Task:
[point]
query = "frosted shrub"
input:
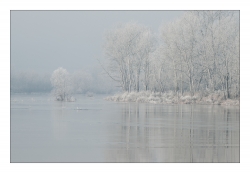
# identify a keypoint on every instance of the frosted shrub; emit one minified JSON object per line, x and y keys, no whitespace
{"x":187,"y":97}
{"x":170,"y":94}
{"x":188,"y":102}
{"x":123,"y":96}
{"x":164,"y":95}
{"x":157,"y":94}
{"x":220,"y":96}
{"x":197,"y":97}
{"x":143,"y":93}
{"x":214,"y":96}
{"x":150,"y":98}
{"x":168,"y":101}
{"x":204,"y":93}
{"x":171,"y":98}
{"x":154,"y":99}
{"x":131,"y":97}
{"x":71,"y":99}
{"x":230,"y":102}
{"x":174,"y":100}
{"x":147,"y":93}
{"x":208,"y":100}
{"x":152,"y":95}
{"x":142,"y":99}
{"x":115,"y":98}
{"x":194,"y":98}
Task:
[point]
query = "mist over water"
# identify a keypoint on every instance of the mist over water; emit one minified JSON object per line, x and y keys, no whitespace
{"x":95,"y":130}
{"x":81,"y":57}
{"x":42,"y":41}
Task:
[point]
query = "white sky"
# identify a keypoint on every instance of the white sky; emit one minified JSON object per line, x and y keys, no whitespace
{"x":42,"y":41}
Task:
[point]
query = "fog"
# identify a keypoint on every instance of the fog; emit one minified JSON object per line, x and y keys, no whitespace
{"x":139,"y":50}
{"x":42,"y":41}
{"x":153,"y":62}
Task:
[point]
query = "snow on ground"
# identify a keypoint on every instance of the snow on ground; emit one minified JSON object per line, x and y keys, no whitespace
{"x":216,"y":98}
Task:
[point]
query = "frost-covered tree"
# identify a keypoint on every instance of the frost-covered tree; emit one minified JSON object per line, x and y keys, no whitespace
{"x":202,"y":48}
{"x":197,"y":53}
{"x":127,"y":47}
{"x":62,"y":86}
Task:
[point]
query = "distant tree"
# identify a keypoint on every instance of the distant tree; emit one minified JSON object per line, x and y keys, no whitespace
{"x":30,"y":82}
{"x":82,"y":81}
{"x":61,"y":82}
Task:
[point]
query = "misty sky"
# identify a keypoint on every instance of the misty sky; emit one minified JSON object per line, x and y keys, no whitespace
{"x":42,"y":41}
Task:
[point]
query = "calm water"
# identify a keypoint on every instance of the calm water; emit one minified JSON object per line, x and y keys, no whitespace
{"x":43,"y":130}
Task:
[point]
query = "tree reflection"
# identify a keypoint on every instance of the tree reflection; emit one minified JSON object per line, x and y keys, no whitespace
{"x":184,"y":133}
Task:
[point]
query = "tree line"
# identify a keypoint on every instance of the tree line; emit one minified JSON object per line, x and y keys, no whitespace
{"x":78,"y":82}
{"x":197,"y":52}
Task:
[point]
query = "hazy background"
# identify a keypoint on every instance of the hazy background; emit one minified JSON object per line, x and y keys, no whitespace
{"x":42,"y":41}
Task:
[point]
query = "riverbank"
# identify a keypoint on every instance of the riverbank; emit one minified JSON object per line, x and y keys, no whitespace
{"x":216,"y":98}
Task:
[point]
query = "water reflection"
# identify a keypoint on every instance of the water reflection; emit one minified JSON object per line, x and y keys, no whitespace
{"x":59,"y":121}
{"x":184,"y":133}
{"x":122,"y":132}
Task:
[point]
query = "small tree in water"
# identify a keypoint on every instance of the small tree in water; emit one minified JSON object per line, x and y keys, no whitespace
{"x":61,"y":82}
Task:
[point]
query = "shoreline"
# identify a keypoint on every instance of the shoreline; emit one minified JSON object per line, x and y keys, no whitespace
{"x":215,"y":98}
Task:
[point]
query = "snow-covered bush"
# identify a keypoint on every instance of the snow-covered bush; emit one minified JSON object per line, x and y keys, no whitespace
{"x":171,"y":98}
{"x":61,"y":83}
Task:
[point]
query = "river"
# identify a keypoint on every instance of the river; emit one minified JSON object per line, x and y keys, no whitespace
{"x":95,"y":130}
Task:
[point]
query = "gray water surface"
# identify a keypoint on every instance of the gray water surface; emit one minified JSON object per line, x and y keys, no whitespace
{"x":94,"y":130}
